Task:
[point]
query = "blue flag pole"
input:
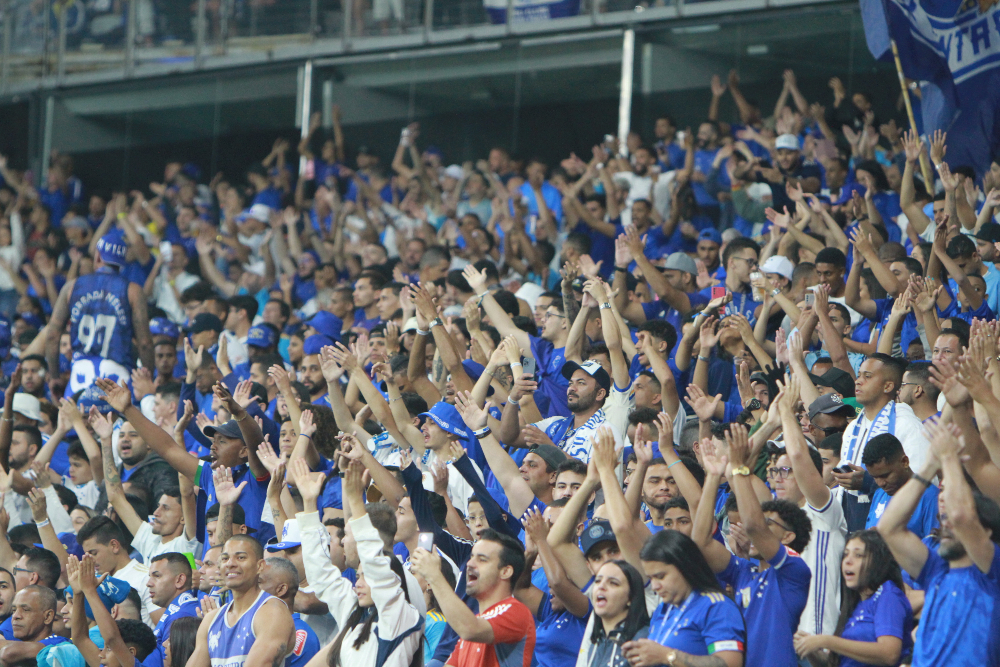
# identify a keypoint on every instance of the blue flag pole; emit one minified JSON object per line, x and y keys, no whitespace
{"x":925,"y":167}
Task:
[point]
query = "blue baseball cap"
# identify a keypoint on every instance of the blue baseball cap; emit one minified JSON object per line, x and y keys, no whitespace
{"x":261,"y":336}
{"x":313,"y":344}
{"x":112,"y":249}
{"x":447,"y":417}
{"x":474,"y":370}
{"x":161,"y":326}
{"x":711,"y":234}
{"x":326,"y":323}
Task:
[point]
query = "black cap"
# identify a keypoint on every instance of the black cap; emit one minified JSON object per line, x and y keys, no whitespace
{"x":230,"y":430}
{"x":838,"y":380}
{"x":828,"y":404}
{"x":205,"y":322}
{"x":597,"y":532}
{"x":989,"y":232}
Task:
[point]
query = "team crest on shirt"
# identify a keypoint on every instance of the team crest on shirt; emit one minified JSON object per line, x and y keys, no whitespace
{"x":300,"y":642}
{"x":213,"y":639}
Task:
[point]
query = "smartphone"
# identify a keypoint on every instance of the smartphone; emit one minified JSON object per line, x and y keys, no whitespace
{"x":425,"y":541}
{"x":719,"y":292}
{"x":810,"y":299}
{"x":844,"y":468}
{"x":528,"y":365}
{"x":166,"y":251}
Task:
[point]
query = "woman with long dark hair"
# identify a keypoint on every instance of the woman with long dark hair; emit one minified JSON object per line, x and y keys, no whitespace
{"x":875,"y":616}
{"x":180,"y":644}
{"x":694,"y":618}
{"x":619,"y":615}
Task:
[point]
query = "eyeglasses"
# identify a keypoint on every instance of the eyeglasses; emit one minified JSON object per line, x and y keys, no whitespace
{"x":829,"y":430}
{"x":779,"y":473}
{"x":750,"y":262}
{"x":22,"y":569}
{"x":771,"y":522}
{"x":554,"y":315}
{"x":912,"y":384}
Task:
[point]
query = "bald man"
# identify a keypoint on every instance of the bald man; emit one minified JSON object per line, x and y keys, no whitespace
{"x":280,"y":578}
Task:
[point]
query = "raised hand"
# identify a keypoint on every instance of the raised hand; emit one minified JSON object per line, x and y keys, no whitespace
{"x":36,"y":499}
{"x":306,"y":424}
{"x":702,"y":404}
{"x":221,"y":392}
{"x":117,"y":396}
{"x":142,"y":382}
{"x":103,"y":424}
{"x":715,"y":462}
{"x":603,"y":452}
{"x":439,"y":472}
{"x":270,"y":460}
{"x":476,"y":279}
{"x":473,"y":415}
{"x":535,"y":436}
{"x":938,"y":146}
{"x":535,"y":525}
{"x":226,"y":492}
{"x":708,"y":336}
{"x":588,"y":268}
{"x":242,"y":393}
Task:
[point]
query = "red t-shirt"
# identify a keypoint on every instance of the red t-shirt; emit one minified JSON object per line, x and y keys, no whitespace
{"x":513,"y":639}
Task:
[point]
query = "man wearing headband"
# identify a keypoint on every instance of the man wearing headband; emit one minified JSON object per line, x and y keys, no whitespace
{"x":105,"y":312}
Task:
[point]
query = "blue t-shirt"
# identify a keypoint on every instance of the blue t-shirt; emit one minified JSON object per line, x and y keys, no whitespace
{"x":924,"y":519}
{"x":549,"y":361}
{"x":368,"y":323}
{"x":960,"y":621}
{"x":661,"y":310}
{"x":772,"y":601}
{"x":306,"y":644}
{"x":704,"y":624}
{"x":742,"y":303}
{"x":907,"y":332}
{"x":252,"y":500}
{"x":886,"y":613}
{"x":558,"y":635}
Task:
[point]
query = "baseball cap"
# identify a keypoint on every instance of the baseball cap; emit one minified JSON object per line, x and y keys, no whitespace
{"x":787,"y":141}
{"x":758,"y":376}
{"x":28,"y":405}
{"x":205,"y":322}
{"x":838,"y":380}
{"x":229,"y":430}
{"x":778,"y":264}
{"x":326,"y":323}
{"x":591,"y":368}
{"x":680,"y":261}
{"x":551,"y":454}
{"x":828,"y":404}
{"x":161,"y":326}
{"x":454,"y":171}
{"x":112,"y":248}
{"x":313,"y":344}
{"x":411,"y":325}
{"x":598,"y":531}
{"x":710,"y":234}
{"x":291,"y":537}
{"x":989,"y":232}
{"x":261,"y":336}
{"x":92,"y":396}
{"x":446,"y":416}
{"x":260,"y":212}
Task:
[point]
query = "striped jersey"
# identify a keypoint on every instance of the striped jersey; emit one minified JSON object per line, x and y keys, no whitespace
{"x":823,"y":555}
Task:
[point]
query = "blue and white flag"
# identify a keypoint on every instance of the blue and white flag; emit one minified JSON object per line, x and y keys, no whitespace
{"x":531,"y":10}
{"x":952,"y":47}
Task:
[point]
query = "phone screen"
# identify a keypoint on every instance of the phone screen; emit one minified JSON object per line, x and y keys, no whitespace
{"x":425,"y":541}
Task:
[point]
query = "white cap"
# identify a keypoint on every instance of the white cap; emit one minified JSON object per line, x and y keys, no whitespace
{"x":778,"y":264}
{"x":787,"y":141}
{"x":28,"y":405}
{"x":291,"y":537}
{"x":454,"y":171}
{"x":260,"y":212}
{"x":411,"y":325}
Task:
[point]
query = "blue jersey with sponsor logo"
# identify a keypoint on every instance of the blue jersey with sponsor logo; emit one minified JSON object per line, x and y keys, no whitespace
{"x":100,"y":317}
{"x":229,"y":645}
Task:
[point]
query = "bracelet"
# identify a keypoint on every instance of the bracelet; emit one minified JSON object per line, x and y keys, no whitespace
{"x":42,"y":524}
{"x":423,"y":333}
{"x":483,"y":432}
{"x":622,"y":269}
{"x":8,"y":419}
{"x":925,"y":482}
{"x":245,"y":416}
{"x":305,"y":435}
{"x":703,"y":358}
{"x":398,"y":398}
{"x":673,"y":464}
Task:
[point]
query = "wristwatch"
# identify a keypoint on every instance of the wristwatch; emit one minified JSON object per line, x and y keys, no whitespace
{"x":742,"y":470}
{"x":776,"y":291}
{"x":671,"y":657}
{"x":435,"y":322}
{"x":605,"y":306}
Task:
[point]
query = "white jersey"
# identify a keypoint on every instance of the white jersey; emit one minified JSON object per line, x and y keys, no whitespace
{"x":137,"y":574}
{"x":150,"y":545}
{"x":823,"y":555}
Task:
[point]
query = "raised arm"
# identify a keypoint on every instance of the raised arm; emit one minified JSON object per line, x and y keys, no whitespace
{"x":630,"y":531}
{"x":158,"y":440}
{"x":498,"y":316}
{"x":715,"y":553}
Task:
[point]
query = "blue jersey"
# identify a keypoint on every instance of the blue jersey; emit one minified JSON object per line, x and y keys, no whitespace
{"x":229,"y":645}
{"x":704,"y":624}
{"x":100,"y":317}
{"x":306,"y":644}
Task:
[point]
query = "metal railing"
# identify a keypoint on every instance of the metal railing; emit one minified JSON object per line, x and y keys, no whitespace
{"x":49,"y":43}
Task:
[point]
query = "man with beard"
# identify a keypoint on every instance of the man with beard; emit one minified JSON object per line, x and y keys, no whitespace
{"x":140,"y":466}
{"x":170,"y":588}
{"x":168,"y":532}
{"x":959,"y":624}
{"x":589,"y":385}
{"x":312,"y":369}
